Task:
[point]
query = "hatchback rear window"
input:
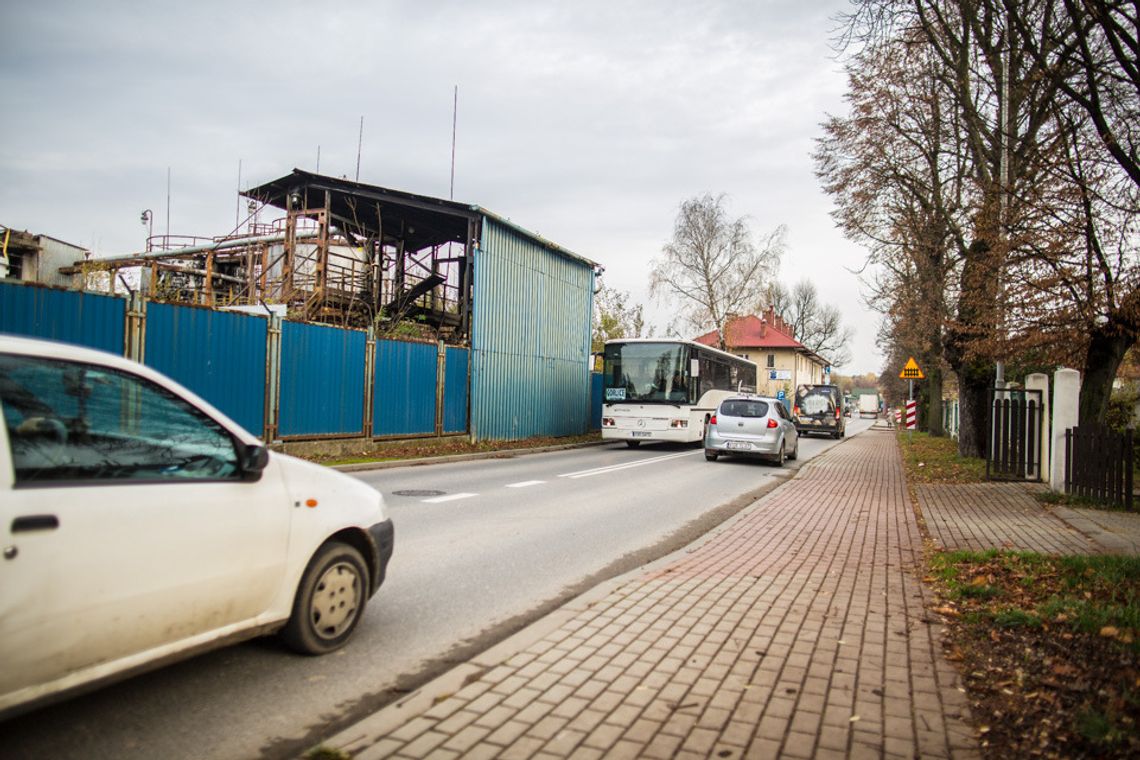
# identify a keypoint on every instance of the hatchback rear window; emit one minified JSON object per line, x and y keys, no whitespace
{"x":741,"y":408}
{"x":816,"y":400}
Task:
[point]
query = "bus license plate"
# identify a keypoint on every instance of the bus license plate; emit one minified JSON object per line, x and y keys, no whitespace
{"x":641,"y":434}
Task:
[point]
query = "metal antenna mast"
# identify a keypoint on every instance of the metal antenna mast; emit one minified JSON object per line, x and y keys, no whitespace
{"x":454,"y":119}
{"x":359,"y":145}
{"x":237,"y":204}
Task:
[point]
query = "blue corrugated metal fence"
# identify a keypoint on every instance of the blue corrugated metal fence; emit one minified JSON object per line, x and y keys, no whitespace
{"x":404,"y":400}
{"x":455,"y":390}
{"x":85,"y":319}
{"x":219,"y":355}
{"x":322,"y":380}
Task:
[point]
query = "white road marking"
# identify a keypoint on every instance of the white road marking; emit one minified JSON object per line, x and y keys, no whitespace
{"x":526,"y":484}
{"x":625,"y":466}
{"x":449,"y":497}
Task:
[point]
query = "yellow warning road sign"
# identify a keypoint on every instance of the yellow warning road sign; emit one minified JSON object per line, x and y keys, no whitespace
{"x":911,"y":370}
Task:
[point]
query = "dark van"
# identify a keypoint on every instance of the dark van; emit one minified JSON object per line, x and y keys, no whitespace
{"x":819,"y":409}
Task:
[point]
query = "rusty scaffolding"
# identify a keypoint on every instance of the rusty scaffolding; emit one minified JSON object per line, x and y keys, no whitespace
{"x":344,"y":253}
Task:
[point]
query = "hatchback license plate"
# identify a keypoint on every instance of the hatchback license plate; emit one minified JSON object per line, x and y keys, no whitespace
{"x":738,"y":445}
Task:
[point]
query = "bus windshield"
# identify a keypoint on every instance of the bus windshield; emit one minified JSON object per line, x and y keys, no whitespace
{"x":647,"y":372}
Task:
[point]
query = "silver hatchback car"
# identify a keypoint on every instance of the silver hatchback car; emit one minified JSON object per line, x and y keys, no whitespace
{"x":752,"y":426}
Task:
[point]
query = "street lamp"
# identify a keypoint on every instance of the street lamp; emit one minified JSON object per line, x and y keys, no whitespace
{"x":147,"y":218}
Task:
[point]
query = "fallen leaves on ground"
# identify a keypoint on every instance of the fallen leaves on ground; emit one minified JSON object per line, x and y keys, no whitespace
{"x":1038,"y":686}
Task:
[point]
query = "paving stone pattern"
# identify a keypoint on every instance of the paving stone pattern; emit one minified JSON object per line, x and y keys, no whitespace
{"x":1117,"y":532}
{"x":797,"y":630}
{"x":980,"y":516}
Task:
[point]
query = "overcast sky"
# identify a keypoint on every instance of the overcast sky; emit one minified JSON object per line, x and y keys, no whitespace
{"x":586,"y":122}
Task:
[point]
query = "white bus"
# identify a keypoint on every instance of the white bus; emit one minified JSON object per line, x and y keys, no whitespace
{"x":666,"y":390}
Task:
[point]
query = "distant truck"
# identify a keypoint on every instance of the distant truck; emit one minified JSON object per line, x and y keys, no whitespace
{"x":869,"y":405}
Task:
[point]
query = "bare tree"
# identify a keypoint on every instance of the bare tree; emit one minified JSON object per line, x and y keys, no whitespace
{"x":711,"y":268}
{"x":615,"y":316}
{"x":817,"y":325}
{"x":1091,"y":48}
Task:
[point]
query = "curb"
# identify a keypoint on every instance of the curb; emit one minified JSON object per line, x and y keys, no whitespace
{"x":446,"y":458}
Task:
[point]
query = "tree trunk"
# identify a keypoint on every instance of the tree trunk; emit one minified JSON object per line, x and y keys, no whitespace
{"x":977,"y":314}
{"x":974,"y":384}
{"x":934,"y":391}
{"x":1107,"y":346}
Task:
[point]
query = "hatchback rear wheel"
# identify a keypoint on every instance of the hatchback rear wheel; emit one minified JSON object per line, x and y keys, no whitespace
{"x":781,"y":456}
{"x":711,"y":455}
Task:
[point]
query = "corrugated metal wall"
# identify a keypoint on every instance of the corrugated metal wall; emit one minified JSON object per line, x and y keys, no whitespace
{"x":530,"y":338}
{"x":404,"y":395}
{"x":455,"y":390}
{"x":85,"y":319}
{"x":219,"y":355}
{"x":322,"y":380}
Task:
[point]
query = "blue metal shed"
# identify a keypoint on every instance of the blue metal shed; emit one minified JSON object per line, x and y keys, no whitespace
{"x":523,"y":304}
{"x":530,"y":336}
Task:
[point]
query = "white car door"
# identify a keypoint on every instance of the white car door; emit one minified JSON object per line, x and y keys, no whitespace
{"x":126,"y":523}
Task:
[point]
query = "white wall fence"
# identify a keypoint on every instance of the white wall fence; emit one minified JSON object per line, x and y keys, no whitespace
{"x":1064,"y":408}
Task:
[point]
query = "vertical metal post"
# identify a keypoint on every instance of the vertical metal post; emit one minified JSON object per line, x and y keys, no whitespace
{"x":369,"y":378}
{"x":440,"y":382}
{"x":272,"y":377}
{"x":135,"y":348}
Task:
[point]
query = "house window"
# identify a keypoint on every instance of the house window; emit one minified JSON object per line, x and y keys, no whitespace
{"x":771,"y":361}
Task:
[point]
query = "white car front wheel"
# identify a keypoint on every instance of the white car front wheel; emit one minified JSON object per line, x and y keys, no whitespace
{"x":330,"y":600}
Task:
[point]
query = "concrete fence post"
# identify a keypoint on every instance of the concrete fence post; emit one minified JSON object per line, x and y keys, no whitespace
{"x":1066,"y":398}
{"x":1039,"y":381}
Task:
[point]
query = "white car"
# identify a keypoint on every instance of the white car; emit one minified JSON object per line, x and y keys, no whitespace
{"x":141,"y":525}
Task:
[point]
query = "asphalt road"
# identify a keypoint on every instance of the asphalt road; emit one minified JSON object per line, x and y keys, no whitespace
{"x":482,"y":548}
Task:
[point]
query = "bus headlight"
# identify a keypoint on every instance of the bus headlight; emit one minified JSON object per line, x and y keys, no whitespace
{"x":608,"y":422}
{"x":678,"y":423}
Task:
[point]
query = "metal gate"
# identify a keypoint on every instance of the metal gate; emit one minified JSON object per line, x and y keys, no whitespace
{"x":1016,"y":419}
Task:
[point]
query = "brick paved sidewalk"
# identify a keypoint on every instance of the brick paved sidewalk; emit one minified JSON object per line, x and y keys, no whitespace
{"x":980,"y":516}
{"x":797,"y":630}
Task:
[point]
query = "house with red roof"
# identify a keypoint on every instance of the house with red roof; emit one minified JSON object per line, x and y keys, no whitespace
{"x":783,"y":363}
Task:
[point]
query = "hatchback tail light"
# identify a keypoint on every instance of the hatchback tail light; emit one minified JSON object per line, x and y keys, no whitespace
{"x":837,"y":412}
{"x":772,"y":423}
{"x":712,"y":420}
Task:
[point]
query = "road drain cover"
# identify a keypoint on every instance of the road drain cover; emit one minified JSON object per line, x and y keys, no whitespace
{"x":414,"y":492}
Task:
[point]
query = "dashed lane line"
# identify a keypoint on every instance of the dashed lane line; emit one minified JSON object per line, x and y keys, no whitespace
{"x":625,"y":466}
{"x":449,"y":497}
{"x":526,"y":484}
